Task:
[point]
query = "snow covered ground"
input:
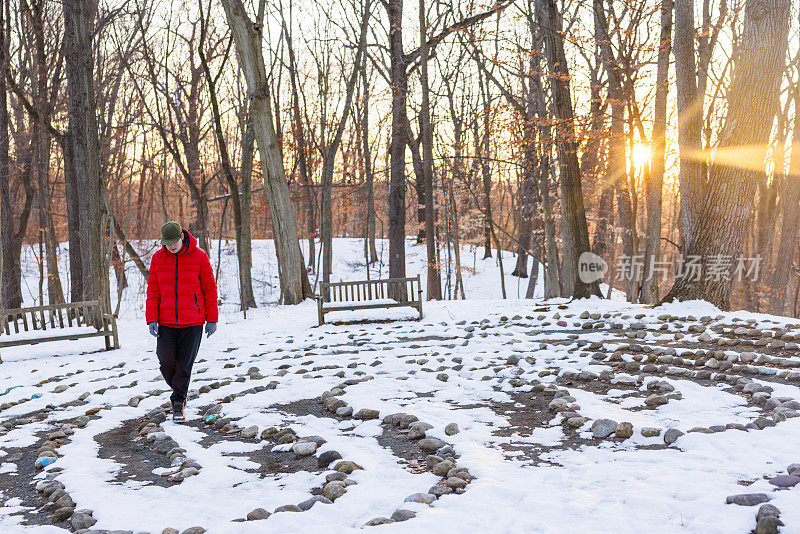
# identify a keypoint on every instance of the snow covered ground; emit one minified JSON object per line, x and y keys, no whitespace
{"x":493,"y":367}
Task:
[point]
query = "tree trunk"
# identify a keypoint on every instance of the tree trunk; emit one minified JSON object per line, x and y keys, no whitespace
{"x":655,"y":181}
{"x":79,"y":16}
{"x":248,"y":38}
{"x":574,"y":228}
{"x":329,"y":158}
{"x":790,"y":219}
{"x":434,"y":274}
{"x":372,"y":255}
{"x":246,"y":250}
{"x":397,"y":181}
{"x":718,"y":223}
{"x":73,"y":219}
{"x":6,"y":226}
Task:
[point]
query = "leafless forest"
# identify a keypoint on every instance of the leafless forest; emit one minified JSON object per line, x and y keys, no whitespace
{"x":652,"y":130}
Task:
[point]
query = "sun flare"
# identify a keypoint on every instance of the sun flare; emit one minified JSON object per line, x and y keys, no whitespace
{"x":640,"y":155}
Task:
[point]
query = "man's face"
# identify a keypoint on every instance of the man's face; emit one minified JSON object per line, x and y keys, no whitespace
{"x":175,"y":247}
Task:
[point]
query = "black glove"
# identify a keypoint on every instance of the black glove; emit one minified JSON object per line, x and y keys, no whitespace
{"x":153,"y":328}
{"x":210,"y":329}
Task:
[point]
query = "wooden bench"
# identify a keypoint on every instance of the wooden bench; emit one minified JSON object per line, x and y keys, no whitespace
{"x":369,"y":294}
{"x":58,"y":317}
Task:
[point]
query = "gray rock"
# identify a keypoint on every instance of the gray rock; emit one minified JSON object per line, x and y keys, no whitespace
{"x":402,"y":514}
{"x":81,"y":520}
{"x":327,"y":458}
{"x":307,"y":504}
{"x":416,"y":432}
{"x":785,"y":481}
{"x":672,"y":435}
{"x":62,"y":514}
{"x":602,"y":428}
{"x":304,"y":448}
{"x":288,"y":508}
{"x":346,"y":467}
{"x":258,"y":513}
{"x":249,"y":432}
{"x":365,"y":414}
{"x":456,"y":482}
{"x":793,"y":469}
{"x":378,"y":521}
{"x":431,"y":444}
{"x":656,"y":400}
{"x":344,"y":411}
{"x":438,"y":490}
{"x":747,"y":499}
{"x":624,"y":430}
{"x":769,"y":524}
{"x":333,"y":490}
{"x":442,"y":468}
{"x":451,"y":430}
{"x":170,"y":530}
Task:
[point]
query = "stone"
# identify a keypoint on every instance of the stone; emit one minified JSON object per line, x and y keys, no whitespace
{"x":257,"y":514}
{"x":747,"y":499}
{"x":378,"y":521}
{"x":402,"y":514}
{"x":344,"y":411}
{"x":793,"y":469}
{"x":169,"y":530}
{"x":304,"y":449}
{"x":672,"y":435}
{"x":602,"y":428}
{"x":456,"y":482}
{"x":769,"y":524}
{"x":327,"y":458}
{"x":81,"y":520}
{"x":785,"y":481}
{"x":65,"y":501}
{"x":308,"y":503}
{"x":416,"y":432}
{"x":443,"y":377}
{"x":439,"y":490}
{"x":624,"y":430}
{"x":249,"y":432}
{"x":365,"y":414}
{"x":133,"y":402}
{"x":650,"y":432}
{"x":763,"y":422}
{"x":424,"y":498}
{"x":442,"y":468}
{"x":656,"y":400}
{"x":576,"y":422}
{"x":431,"y":444}
{"x":62,"y":514}
{"x":194,"y":530}
{"x":347,"y":467}
{"x":287,"y":508}
{"x":333,"y":490}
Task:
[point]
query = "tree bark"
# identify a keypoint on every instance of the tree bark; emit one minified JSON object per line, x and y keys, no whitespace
{"x":655,"y":181}
{"x":434,"y":275}
{"x":248,"y":38}
{"x":574,"y":228}
{"x":79,"y":20}
{"x":717,"y":223}
{"x":397,"y":150}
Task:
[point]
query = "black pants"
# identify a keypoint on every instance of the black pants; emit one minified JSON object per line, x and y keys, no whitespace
{"x":177,"y":349}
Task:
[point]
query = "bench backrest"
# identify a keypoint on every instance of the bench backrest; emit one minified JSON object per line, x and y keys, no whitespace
{"x":68,"y":314}
{"x":398,"y":289}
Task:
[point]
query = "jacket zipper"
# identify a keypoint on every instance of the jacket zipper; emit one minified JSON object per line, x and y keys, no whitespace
{"x":176,"y":289}
{"x":196,"y":304}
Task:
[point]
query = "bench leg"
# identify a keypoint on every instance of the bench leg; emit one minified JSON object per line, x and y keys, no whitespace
{"x":320,"y":313}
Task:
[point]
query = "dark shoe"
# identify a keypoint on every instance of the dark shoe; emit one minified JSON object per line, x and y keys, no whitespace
{"x":178,"y":414}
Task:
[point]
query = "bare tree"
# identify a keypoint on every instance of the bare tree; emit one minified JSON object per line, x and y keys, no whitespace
{"x":248,"y":38}
{"x":718,"y":210}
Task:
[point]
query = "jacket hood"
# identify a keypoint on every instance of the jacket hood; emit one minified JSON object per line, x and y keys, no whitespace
{"x":189,"y":244}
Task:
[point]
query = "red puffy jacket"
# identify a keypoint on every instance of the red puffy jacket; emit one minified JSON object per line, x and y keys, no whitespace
{"x":181,"y":290}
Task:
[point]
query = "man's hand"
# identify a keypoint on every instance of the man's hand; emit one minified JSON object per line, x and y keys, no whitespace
{"x":210,"y":329}
{"x":153,"y":328}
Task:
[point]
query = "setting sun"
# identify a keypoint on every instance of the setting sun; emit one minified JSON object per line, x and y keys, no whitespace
{"x":640,"y":155}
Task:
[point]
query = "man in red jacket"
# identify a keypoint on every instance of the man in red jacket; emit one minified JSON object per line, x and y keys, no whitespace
{"x":181,"y":297}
